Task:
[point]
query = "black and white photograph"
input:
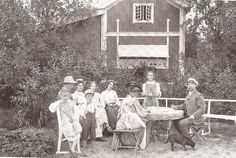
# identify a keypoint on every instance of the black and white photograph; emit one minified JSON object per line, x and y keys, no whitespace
{"x":118,"y":78}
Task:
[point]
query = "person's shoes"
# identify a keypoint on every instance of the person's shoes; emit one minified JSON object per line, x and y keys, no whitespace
{"x":107,"y":133}
{"x":88,"y":141}
{"x":101,"y":139}
{"x":84,"y":154}
{"x":94,"y":152}
{"x":109,"y":129}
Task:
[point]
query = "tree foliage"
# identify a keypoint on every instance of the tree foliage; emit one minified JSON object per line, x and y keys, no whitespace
{"x":211,"y":36}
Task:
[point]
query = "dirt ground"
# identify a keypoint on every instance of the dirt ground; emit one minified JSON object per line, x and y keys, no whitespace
{"x":220,"y":144}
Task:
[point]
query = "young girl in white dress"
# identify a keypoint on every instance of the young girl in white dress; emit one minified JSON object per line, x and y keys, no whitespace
{"x":151,"y":91}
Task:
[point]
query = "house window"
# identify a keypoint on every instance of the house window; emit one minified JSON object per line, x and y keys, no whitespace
{"x":150,"y":55}
{"x":143,"y":13}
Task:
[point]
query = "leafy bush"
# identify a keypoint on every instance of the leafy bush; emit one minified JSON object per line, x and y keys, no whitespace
{"x":27,"y":142}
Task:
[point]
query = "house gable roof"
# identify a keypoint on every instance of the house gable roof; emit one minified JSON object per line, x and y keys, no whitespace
{"x":100,"y":6}
{"x":178,"y":3}
{"x":105,"y":4}
{"x":108,"y":4}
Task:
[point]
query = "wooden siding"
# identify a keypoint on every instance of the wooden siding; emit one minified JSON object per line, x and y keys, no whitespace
{"x":84,"y":35}
{"x":162,"y":11}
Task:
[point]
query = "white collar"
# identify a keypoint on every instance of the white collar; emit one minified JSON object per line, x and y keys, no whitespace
{"x":81,"y":93}
{"x":151,"y":82}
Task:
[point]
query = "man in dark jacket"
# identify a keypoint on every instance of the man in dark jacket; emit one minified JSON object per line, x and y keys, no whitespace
{"x":194,"y":107}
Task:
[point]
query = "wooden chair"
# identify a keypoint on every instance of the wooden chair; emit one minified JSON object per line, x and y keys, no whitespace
{"x":198,"y":131}
{"x":120,"y":144}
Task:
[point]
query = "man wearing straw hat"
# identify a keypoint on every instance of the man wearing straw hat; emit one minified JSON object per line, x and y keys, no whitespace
{"x":194,"y":107}
{"x":68,"y":85}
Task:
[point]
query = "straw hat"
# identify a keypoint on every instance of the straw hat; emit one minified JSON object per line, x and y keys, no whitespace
{"x":192,"y":80}
{"x":69,"y":79}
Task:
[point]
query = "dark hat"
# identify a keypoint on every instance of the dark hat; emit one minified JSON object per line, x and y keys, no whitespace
{"x":134,"y":86}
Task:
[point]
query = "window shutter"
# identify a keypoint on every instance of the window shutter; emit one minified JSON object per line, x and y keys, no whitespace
{"x":138,"y":12}
{"x":143,"y":13}
{"x":148,"y":13}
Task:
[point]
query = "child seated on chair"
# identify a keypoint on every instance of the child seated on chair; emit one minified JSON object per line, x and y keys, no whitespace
{"x":70,"y":125}
{"x":89,"y":121}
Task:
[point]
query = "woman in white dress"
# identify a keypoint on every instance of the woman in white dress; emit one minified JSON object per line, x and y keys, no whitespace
{"x":101,"y":116}
{"x":112,"y":103}
{"x":78,"y":95}
{"x":132,"y":116}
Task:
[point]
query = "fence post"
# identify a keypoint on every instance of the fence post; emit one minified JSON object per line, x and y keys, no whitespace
{"x":209,"y":112}
{"x":166,"y":102}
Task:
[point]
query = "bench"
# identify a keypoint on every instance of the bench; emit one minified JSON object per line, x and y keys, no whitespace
{"x":197,"y":131}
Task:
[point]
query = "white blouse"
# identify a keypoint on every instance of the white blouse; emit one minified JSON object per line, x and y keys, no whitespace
{"x":98,"y":100}
{"x":79,"y":98}
{"x":110,"y":97}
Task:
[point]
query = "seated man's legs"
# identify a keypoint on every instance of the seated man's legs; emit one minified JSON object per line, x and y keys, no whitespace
{"x":181,"y":126}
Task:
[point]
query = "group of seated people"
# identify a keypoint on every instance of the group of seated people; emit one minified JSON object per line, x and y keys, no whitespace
{"x":86,"y":114}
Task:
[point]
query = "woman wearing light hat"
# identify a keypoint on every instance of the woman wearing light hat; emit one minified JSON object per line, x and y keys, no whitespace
{"x":132,"y":116}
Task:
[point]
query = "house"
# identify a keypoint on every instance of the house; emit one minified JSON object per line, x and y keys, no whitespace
{"x":132,"y":32}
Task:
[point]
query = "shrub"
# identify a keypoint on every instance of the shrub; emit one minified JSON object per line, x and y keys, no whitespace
{"x":27,"y":142}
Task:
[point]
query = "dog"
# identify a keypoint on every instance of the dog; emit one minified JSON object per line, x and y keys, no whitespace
{"x":180,"y":139}
{"x":158,"y":132}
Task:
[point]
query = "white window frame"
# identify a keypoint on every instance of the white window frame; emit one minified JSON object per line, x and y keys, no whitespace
{"x":143,"y":21}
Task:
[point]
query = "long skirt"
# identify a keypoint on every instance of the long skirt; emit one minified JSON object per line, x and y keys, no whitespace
{"x":101,"y":118}
{"x":112,"y":112}
{"x":130,"y":121}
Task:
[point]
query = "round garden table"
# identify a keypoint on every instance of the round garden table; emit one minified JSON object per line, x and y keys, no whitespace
{"x":162,"y":114}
